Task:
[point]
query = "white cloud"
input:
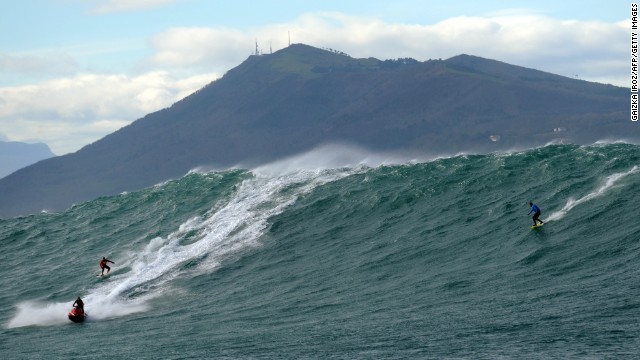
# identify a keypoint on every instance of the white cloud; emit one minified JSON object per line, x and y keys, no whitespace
{"x":45,"y":64}
{"x":528,"y":39}
{"x":71,"y":112}
{"x":113,"y":6}
{"x":68,"y":113}
{"x":200,"y":47}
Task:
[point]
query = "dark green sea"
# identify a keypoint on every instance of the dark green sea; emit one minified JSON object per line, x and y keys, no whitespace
{"x":350,"y":256}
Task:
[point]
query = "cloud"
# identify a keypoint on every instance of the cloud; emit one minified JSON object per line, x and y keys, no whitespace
{"x":114,"y":6}
{"x":44,"y":64}
{"x":197,"y":46}
{"x":530,"y":40}
{"x":68,"y":113}
{"x":566,"y":47}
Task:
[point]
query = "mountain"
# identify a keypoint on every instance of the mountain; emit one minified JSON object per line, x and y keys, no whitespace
{"x":15,"y":155}
{"x":276,"y":105}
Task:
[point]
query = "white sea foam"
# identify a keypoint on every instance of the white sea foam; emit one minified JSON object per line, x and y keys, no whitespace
{"x":36,"y":313}
{"x":616,"y":141}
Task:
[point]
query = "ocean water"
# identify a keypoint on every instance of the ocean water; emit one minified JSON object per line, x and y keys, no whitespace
{"x":346,"y":255}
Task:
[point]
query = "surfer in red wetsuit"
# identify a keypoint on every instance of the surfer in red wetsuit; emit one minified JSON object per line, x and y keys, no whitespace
{"x":103,"y":265}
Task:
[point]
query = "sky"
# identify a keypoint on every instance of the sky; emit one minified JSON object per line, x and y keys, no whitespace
{"x":74,"y":71}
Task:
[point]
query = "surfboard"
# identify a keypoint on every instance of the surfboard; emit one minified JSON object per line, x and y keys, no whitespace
{"x":537,"y":226}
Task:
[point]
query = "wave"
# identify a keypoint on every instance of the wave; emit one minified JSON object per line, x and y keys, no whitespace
{"x":222,"y":232}
{"x":371,"y":252}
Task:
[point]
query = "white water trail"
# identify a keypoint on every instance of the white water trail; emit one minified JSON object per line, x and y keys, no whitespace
{"x":224,"y":231}
{"x":608,"y":184}
{"x":38,"y":313}
{"x":234,"y":227}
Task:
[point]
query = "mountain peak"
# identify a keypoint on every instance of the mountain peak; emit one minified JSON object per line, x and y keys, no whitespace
{"x":299,"y":59}
{"x":16,"y":155}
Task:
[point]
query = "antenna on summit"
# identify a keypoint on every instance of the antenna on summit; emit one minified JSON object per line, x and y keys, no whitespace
{"x":257,"y":52}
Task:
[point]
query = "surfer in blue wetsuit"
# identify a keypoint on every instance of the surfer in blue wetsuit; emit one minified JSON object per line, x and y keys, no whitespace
{"x":536,"y":210}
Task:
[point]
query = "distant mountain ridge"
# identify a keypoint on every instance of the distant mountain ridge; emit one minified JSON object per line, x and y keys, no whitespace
{"x":15,"y":155}
{"x":277,"y":105}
